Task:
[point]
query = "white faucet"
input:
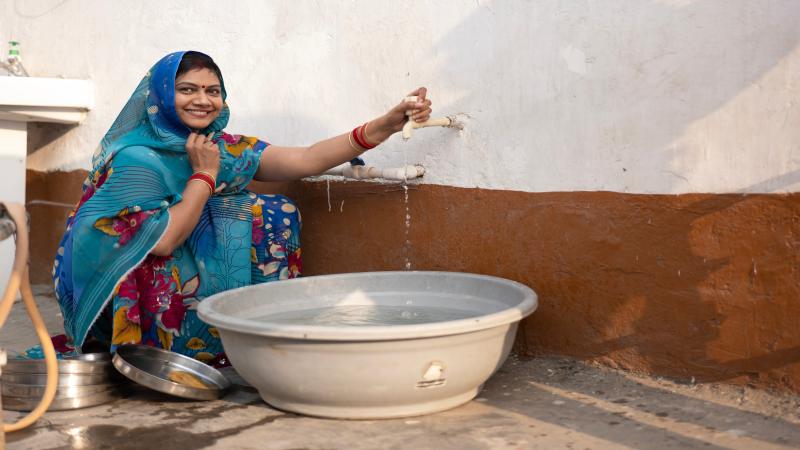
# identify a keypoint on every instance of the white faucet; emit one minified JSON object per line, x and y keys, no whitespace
{"x":448,"y":121}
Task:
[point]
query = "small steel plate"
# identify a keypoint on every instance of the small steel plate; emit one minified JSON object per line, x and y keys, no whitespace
{"x":170,"y":372}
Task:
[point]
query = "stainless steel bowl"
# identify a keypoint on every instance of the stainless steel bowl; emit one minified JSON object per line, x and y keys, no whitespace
{"x":83,"y":380}
{"x":60,"y":404}
{"x":64,"y":379}
{"x":97,"y":357}
{"x":36,"y":391}
{"x":170,"y":372}
{"x":90,"y":363}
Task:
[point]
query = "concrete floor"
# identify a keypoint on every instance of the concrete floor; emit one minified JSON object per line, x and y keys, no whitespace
{"x":532,"y":403}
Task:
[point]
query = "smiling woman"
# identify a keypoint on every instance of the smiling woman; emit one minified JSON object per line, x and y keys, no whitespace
{"x":198,"y":91}
{"x":166,"y":220}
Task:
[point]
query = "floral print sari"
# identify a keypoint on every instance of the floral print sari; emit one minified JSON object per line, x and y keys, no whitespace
{"x":110,"y":287}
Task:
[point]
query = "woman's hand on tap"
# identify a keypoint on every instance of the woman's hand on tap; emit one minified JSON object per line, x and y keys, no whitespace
{"x":418,"y":110}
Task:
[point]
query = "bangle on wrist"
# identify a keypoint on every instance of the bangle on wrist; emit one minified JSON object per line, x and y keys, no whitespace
{"x":358,"y":135}
{"x":208,"y":174}
{"x":207,"y":179}
{"x":359,"y":150}
{"x":355,"y":135}
{"x":367,"y":138}
{"x":210,"y":191}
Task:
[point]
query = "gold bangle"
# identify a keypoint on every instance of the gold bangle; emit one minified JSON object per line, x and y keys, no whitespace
{"x":210,"y":189}
{"x":366,"y":136}
{"x":353,"y":145}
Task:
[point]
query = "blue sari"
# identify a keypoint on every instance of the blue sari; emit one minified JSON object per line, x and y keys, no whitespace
{"x":109,"y":286}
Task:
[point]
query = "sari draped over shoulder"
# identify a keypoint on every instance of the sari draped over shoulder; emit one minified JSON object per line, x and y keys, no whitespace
{"x":107,"y":283}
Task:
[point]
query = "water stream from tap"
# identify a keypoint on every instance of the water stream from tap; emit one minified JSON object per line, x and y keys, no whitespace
{"x":407,"y":241}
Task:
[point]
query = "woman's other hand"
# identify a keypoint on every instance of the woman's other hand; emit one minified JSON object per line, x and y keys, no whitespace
{"x":203,"y":153}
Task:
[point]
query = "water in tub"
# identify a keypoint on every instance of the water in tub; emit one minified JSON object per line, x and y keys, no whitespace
{"x":367,"y":315}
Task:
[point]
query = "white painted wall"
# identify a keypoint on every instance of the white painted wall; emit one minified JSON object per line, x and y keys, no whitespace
{"x":654,"y":96}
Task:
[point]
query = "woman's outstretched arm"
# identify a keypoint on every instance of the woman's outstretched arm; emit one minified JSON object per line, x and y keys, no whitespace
{"x":291,"y":163}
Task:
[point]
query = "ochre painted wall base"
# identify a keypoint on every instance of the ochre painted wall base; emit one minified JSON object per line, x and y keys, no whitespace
{"x":697,"y":285}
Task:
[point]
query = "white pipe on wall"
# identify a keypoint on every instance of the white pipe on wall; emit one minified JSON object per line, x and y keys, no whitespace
{"x":368,"y":172}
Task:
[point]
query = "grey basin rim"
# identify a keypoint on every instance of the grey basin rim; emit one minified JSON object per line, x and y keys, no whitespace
{"x":157,"y":383}
{"x":207,"y":312}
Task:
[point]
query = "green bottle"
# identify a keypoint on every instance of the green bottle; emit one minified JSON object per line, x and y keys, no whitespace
{"x":14,"y":61}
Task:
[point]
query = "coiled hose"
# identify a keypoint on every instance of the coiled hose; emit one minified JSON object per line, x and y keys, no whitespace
{"x":19,"y":281}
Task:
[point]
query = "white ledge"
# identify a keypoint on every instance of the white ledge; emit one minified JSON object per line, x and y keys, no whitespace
{"x":36,"y":99}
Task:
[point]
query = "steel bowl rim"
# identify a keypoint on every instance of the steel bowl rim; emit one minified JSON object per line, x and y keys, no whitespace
{"x":64,"y":379}
{"x":76,"y":366}
{"x":157,"y":383}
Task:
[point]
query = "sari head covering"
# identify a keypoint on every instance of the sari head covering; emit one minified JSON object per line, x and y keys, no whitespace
{"x":139,"y":171}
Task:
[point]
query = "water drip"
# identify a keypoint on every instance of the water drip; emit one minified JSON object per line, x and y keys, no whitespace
{"x":328,"y":190}
{"x":407,"y":242}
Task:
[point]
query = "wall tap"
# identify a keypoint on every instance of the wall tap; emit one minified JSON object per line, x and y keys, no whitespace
{"x":448,"y":121}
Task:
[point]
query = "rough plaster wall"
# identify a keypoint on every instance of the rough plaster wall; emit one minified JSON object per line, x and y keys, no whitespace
{"x":659,"y":96}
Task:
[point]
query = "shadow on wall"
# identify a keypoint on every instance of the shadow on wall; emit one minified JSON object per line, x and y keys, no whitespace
{"x":709,"y":294}
{"x":642,"y":285}
{"x":607,"y":88}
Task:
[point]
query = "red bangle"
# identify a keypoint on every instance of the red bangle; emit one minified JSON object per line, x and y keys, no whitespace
{"x":364,"y":136}
{"x":205,"y":178}
{"x":354,"y":134}
{"x":358,"y":134}
{"x":361,"y":136}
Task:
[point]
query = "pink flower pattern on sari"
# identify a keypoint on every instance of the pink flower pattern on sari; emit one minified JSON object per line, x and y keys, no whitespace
{"x":129,"y":224}
{"x":295,"y":264}
{"x":231,"y":139}
{"x":258,"y":231}
{"x":124,"y":225}
{"x":62,"y":344}
{"x":155,"y":293}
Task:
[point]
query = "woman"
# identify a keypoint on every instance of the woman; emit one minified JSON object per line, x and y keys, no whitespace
{"x":165,"y":219}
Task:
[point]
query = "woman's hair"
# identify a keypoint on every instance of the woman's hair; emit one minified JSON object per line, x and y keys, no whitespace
{"x":197,"y":60}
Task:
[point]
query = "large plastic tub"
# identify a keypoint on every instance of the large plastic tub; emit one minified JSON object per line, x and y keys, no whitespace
{"x":302,"y":356}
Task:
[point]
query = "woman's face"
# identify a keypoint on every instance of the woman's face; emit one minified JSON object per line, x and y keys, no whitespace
{"x":198,"y":98}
